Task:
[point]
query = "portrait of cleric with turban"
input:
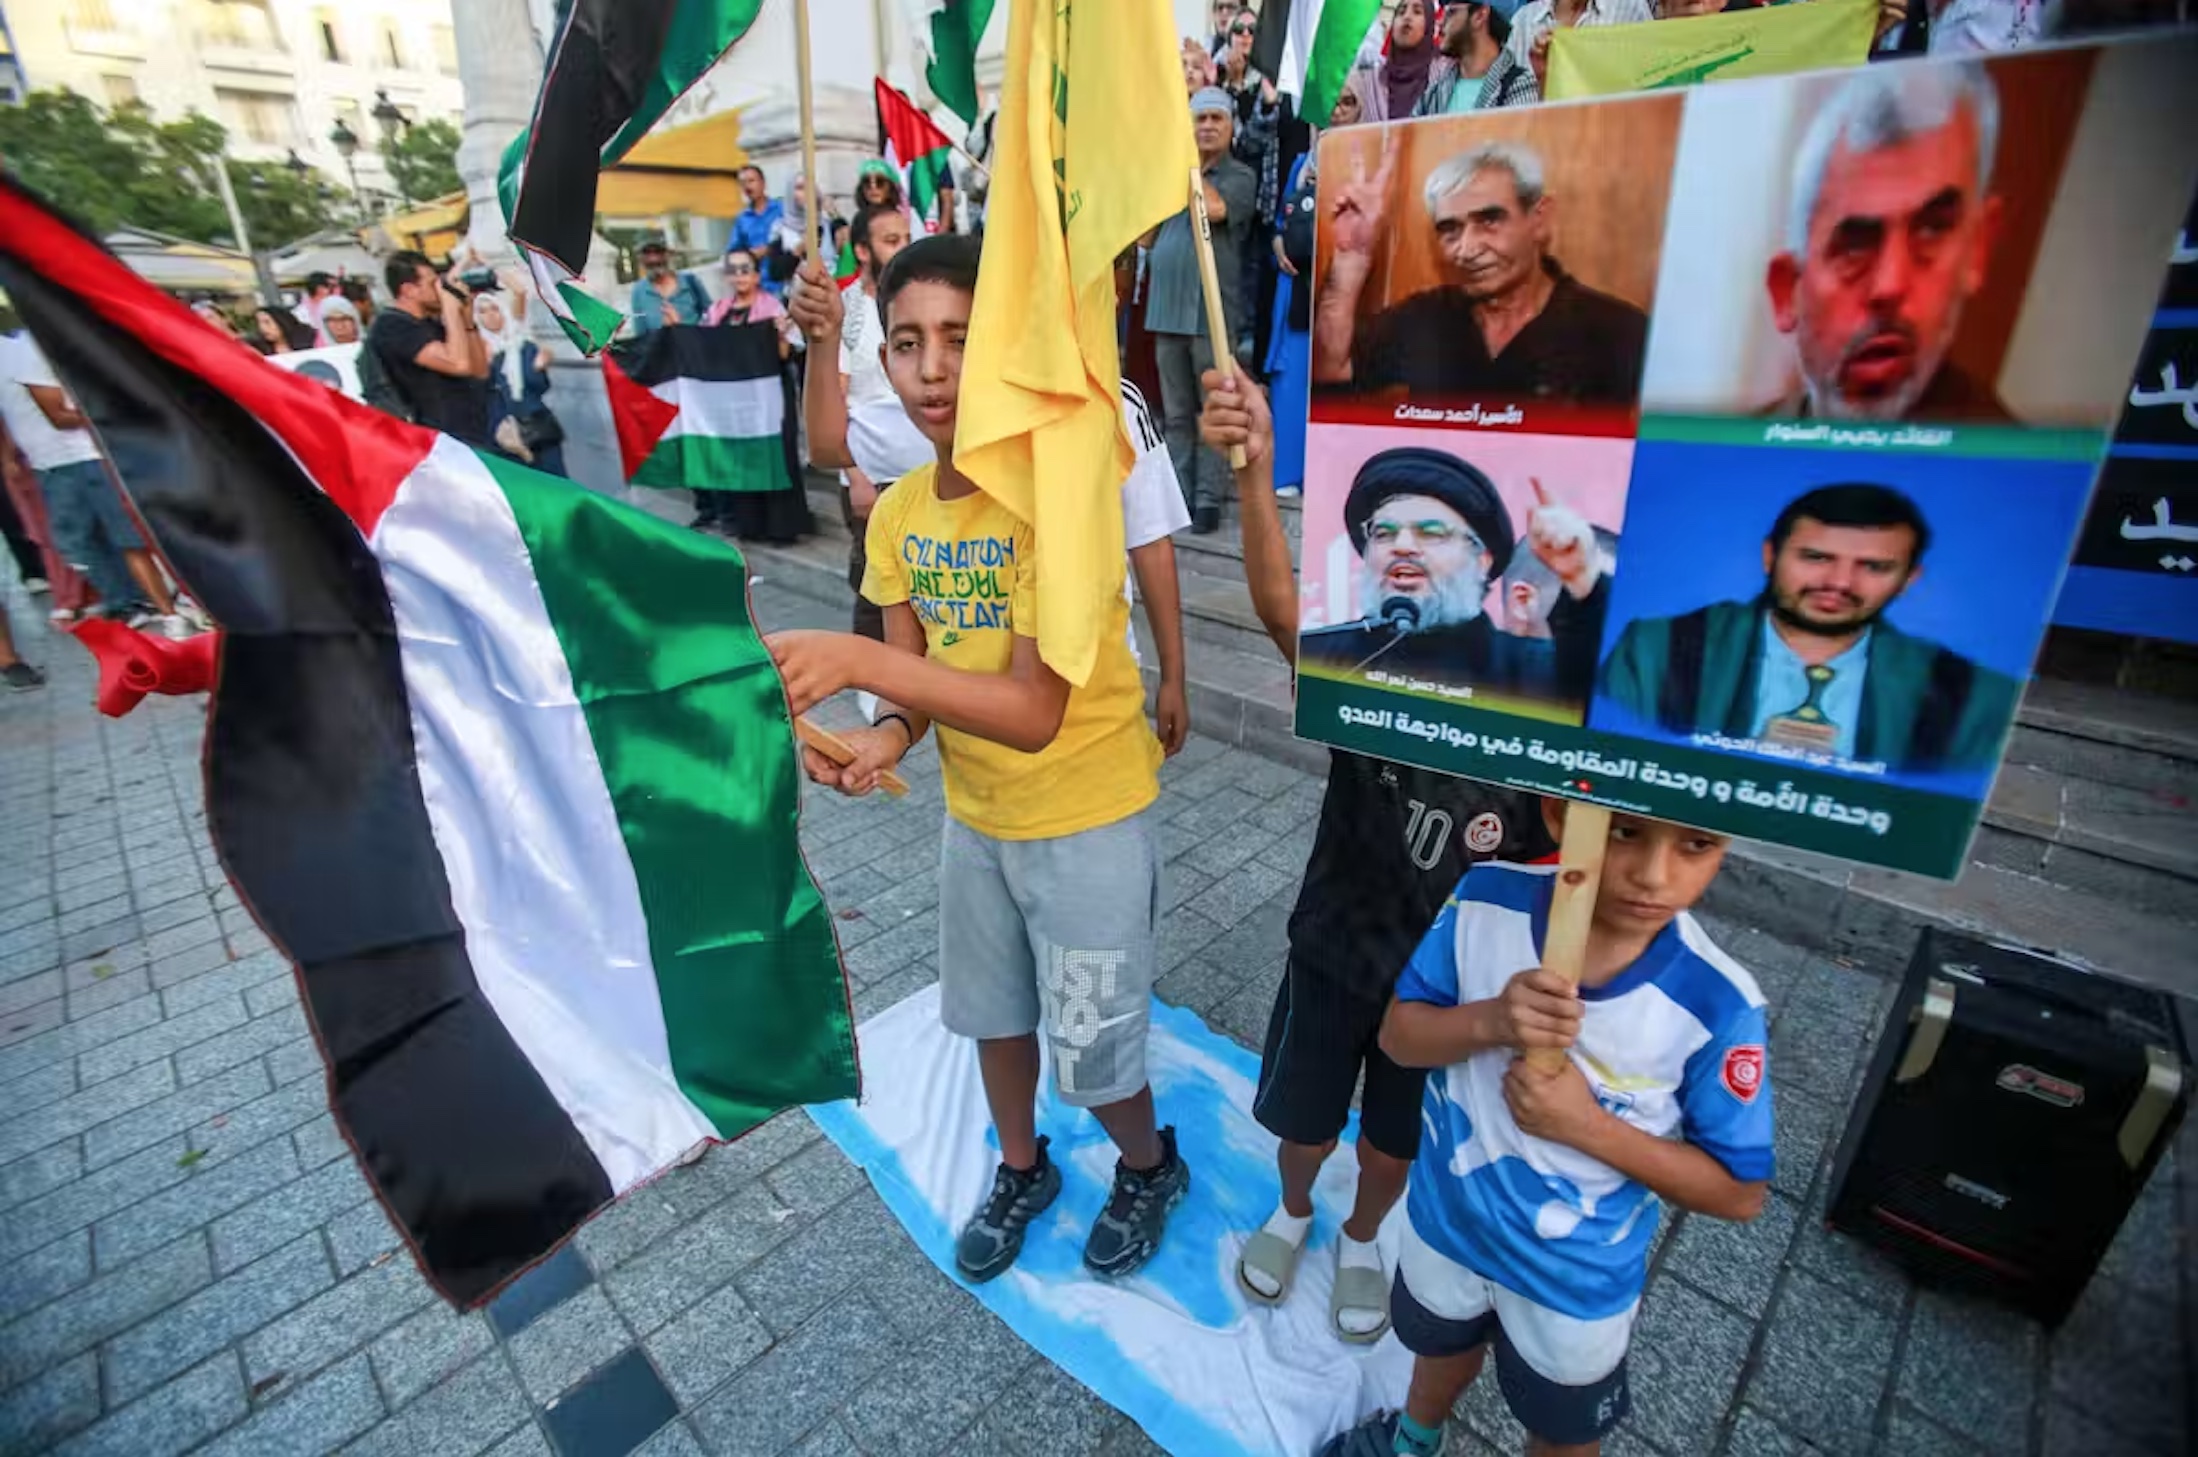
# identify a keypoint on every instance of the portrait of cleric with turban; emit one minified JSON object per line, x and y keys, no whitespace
{"x":1432,"y":533}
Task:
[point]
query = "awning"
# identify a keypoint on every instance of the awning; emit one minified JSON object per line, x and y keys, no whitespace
{"x":433,"y":228}
{"x":345,"y":260}
{"x":180,"y":266}
{"x":690,"y":169}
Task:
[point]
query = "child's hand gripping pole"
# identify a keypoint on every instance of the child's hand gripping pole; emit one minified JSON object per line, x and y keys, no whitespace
{"x":1572,"y":903}
{"x":1217,"y":319}
{"x":839,"y":751}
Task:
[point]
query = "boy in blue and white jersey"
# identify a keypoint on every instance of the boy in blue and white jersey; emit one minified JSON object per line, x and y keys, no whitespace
{"x":1535,"y":1194}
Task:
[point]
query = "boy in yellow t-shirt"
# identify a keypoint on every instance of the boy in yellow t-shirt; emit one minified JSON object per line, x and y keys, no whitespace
{"x":1049,"y":867}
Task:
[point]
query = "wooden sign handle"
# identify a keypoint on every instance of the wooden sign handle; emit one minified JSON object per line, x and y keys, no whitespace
{"x":839,"y":751}
{"x":1217,"y":318}
{"x":815,"y":212}
{"x":1572,"y":903}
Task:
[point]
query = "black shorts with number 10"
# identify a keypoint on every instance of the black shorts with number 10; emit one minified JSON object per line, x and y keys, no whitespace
{"x":1393,"y":843}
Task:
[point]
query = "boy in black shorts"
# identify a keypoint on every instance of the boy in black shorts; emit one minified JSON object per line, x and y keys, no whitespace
{"x":1393,"y":840}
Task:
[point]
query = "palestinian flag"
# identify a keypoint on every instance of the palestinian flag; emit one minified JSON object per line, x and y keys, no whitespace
{"x":914,"y":146}
{"x":615,"y":67}
{"x":846,"y":272}
{"x":499,"y":762}
{"x":948,"y":32}
{"x":1309,"y":46}
{"x":704,"y":408}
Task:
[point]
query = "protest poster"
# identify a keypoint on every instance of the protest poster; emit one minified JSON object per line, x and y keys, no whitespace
{"x":1765,"y":40}
{"x":2136,"y":563}
{"x":1717,"y":456}
{"x":336,"y":365}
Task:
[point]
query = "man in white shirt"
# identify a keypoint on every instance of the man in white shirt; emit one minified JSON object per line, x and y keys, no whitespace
{"x":91,"y":526}
{"x":1532,"y":25}
{"x":884,"y":441}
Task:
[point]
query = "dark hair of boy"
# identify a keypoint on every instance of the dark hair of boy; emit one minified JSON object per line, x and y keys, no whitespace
{"x":404,"y":267}
{"x":948,"y":258}
{"x":1854,"y":505}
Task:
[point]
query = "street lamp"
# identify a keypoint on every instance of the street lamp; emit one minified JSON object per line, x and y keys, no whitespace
{"x":346,"y":143}
{"x":391,"y":121}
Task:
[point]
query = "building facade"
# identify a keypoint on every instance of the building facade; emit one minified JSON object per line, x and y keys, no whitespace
{"x":278,"y":74}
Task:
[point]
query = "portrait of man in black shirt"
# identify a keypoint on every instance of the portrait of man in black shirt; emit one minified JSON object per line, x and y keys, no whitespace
{"x":1508,"y":322}
{"x":431,"y":351}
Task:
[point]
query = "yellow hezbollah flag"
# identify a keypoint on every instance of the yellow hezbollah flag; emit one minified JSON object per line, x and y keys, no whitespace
{"x":1774,"y":40}
{"x":1092,"y":145}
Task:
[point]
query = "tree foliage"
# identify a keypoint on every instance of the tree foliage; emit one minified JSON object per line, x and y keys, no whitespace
{"x":423,"y":159}
{"x":126,"y":168}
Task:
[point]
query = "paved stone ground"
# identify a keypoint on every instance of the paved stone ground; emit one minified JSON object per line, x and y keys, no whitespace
{"x":189,"y":1258}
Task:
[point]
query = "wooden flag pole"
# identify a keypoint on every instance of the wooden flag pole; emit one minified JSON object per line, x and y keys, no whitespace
{"x":839,"y":751}
{"x":815,"y":210}
{"x":1572,"y":902}
{"x":1217,"y":318}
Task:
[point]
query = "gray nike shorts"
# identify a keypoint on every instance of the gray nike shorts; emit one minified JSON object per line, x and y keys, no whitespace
{"x":1057,"y":936}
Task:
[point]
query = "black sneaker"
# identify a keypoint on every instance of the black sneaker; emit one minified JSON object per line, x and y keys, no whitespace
{"x":1127,"y":1232}
{"x":19,"y":676}
{"x":993,"y":1238}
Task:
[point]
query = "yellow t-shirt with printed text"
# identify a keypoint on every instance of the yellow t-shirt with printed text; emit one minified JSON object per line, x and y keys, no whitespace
{"x":967,"y":569}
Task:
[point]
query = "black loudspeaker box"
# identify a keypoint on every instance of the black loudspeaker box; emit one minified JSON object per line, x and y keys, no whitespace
{"x":2014,"y":1108}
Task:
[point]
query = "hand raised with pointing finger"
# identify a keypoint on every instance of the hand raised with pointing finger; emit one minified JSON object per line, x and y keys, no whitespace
{"x":1564,"y":541}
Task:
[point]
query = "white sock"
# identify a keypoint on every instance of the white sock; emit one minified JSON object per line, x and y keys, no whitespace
{"x":1288,"y":1228}
{"x":1351,"y":1253}
{"x":868,"y":703}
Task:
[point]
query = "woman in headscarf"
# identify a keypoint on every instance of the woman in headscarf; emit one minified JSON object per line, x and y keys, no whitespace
{"x":521,"y":420}
{"x":771,"y":510}
{"x":1402,"y":74}
{"x":876,"y":185}
{"x":1290,"y":356}
{"x":340,"y":319}
{"x":279,"y":333}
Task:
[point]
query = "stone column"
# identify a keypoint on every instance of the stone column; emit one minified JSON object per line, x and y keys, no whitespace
{"x":500,"y":65}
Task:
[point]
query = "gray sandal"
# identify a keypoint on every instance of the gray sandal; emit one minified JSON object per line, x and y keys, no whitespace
{"x":1273,"y":1256}
{"x":1358,"y":1288}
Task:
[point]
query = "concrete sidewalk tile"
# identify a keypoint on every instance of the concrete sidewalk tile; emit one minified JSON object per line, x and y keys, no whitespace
{"x":207,"y":1191}
{"x":181,"y":966}
{"x":1230,"y":900}
{"x":30,"y":990}
{"x":1686,"y":1359}
{"x":167,"y":906}
{"x":625,"y":1227}
{"x":37,"y":1020}
{"x":527,"y":1441}
{"x":426,"y":1349}
{"x":1044,"y":1411}
{"x":1805,"y":1129}
{"x":336,"y":1322}
{"x":789,"y":1391}
{"x":463,"y":1416}
{"x":141,"y":1090}
{"x":1825,"y":1361}
{"x":1811,"y":1049}
{"x":674,"y":1439}
{"x":914,"y":1405}
{"x":699,"y":1349}
{"x":244,"y":977}
{"x":103,"y":936}
{"x":2150,"y":1227}
{"x":1199,"y":986}
{"x":296,"y":1208}
{"x":730,"y":1167}
{"x":161,"y":1039}
{"x":1908,"y":1433}
{"x":45,"y":1274}
{"x":116,"y":1136}
{"x":320,"y":1416}
{"x":111,"y":907}
{"x":320,"y":1141}
{"x":1183,"y":933}
{"x":75,"y":890}
{"x":890,"y":991}
{"x":203,"y":931}
{"x":1856,"y":1268}
{"x":253,"y":1039}
{"x":2121,"y":1358}
{"x":1972,"y":1367}
{"x":1756,"y":1435}
{"x":1736,"y":1263}
{"x":226,"y":1311}
{"x":794,"y":1281}
{"x":298,"y":1058}
{"x":815,"y":1179}
{"x":577,"y":1336}
{"x":677,"y":1271}
{"x":79,"y":1202}
{"x":271,"y":1116}
{"x":914,"y":1294}
{"x":35,"y":1416}
{"x":271,"y":993}
{"x":110,"y":1304}
{"x":49,"y":1085}
{"x":28,"y":1056}
{"x":360,"y":1235}
{"x":116,"y":989}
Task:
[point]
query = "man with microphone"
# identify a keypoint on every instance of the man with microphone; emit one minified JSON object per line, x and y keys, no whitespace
{"x":1433,"y":533}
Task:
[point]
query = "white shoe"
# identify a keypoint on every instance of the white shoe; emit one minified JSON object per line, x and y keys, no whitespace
{"x":194,"y":614}
{"x":36,"y":586}
{"x":175,"y":629}
{"x":146,"y":622}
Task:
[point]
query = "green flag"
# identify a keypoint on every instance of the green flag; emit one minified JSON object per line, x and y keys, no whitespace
{"x":948,"y":31}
